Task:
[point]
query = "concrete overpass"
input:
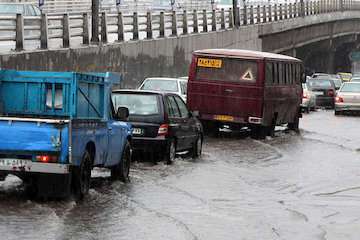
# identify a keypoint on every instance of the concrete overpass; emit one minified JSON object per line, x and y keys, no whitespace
{"x":319,"y":38}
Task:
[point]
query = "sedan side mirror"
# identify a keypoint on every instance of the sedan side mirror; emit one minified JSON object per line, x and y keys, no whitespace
{"x":122,"y":114}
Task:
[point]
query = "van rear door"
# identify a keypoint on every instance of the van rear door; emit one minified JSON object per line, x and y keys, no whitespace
{"x":226,"y":89}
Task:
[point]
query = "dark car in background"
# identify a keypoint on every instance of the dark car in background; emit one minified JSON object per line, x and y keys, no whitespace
{"x":162,"y":124}
{"x":324,"y":90}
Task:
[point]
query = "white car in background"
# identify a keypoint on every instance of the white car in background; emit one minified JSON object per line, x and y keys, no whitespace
{"x":164,"y":84}
{"x":348,"y":98}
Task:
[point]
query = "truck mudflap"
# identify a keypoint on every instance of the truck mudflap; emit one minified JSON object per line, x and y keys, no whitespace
{"x":21,"y":165}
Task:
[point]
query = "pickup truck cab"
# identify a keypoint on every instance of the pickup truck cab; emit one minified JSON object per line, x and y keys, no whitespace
{"x":56,"y":126}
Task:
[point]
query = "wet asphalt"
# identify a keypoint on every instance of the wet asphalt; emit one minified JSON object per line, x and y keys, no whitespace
{"x":292,"y":186}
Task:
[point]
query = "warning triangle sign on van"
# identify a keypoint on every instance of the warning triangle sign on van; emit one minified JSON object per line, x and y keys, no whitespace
{"x":247,"y":76}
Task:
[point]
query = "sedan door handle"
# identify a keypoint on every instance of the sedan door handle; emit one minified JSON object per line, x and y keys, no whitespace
{"x":229,"y":90}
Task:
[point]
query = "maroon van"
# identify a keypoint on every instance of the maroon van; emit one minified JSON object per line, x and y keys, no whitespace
{"x":237,"y":88}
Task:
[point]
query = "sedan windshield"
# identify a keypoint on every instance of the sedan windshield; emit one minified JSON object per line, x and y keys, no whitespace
{"x":160,"y":85}
{"x":138,"y":104}
{"x":351,"y":87}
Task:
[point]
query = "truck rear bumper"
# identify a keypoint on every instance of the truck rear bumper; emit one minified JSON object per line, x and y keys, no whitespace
{"x":20,"y":165}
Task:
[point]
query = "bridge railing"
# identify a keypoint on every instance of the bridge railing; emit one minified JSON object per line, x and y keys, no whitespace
{"x":66,"y":30}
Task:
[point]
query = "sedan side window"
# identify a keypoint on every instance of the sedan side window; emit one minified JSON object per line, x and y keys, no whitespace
{"x":172,"y":107}
{"x":183,"y":109}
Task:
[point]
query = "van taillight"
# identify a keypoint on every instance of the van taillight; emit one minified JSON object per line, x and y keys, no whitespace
{"x":46,"y":158}
{"x":163,"y":130}
{"x":331,"y":93}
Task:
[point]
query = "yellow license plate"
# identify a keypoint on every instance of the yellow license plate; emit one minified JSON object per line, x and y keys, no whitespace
{"x":211,"y":63}
{"x":224,"y":118}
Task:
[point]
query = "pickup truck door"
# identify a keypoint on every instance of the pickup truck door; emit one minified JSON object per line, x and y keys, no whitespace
{"x":117,"y":136}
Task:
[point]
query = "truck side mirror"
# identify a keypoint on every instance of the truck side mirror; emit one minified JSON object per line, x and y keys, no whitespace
{"x":122,"y":114}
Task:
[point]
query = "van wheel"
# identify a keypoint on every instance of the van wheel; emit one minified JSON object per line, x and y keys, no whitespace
{"x":197,"y":147}
{"x":271,"y":129}
{"x":294,"y":125}
{"x":82,"y":176}
{"x":122,"y":170}
{"x":170,"y":152}
{"x":259,"y":132}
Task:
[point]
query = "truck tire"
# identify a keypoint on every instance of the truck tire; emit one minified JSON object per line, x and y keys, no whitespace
{"x":122,"y":170}
{"x":197,"y":147}
{"x":82,"y":176}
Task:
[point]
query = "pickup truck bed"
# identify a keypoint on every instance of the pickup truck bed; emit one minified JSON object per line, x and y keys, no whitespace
{"x":58,"y":128}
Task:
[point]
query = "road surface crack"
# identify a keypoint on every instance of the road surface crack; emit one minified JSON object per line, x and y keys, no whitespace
{"x":164,"y":215}
{"x":298,"y":214}
{"x":336,"y":192}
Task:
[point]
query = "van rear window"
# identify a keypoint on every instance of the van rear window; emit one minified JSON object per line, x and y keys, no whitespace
{"x":226,"y":69}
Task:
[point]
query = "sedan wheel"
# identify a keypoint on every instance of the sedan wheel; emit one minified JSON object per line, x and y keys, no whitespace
{"x":197,"y":147}
{"x":171,"y":152}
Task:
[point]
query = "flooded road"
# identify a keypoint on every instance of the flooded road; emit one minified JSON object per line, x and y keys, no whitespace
{"x":291,"y":186}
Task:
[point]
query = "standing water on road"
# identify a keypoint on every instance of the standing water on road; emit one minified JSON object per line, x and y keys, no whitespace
{"x":291,"y":186}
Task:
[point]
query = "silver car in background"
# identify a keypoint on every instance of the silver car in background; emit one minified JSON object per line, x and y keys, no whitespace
{"x":163,"y":84}
{"x":348,"y":98}
{"x":308,"y":100}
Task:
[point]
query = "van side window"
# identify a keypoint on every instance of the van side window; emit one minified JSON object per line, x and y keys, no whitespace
{"x":269,"y":73}
{"x":172,"y":107}
{"x":297,"y":73}
{"x":280,"y":73}
{"x":286,"y":80}
{"x":274,"y":74}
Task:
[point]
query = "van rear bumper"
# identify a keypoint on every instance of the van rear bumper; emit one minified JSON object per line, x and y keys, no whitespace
{"x":20,"y":165}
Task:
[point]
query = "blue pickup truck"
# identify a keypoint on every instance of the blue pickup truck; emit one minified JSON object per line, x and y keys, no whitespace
{"x":56,"y":126}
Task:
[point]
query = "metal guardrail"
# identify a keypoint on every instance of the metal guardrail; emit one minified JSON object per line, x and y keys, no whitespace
{"x":65,"y":28}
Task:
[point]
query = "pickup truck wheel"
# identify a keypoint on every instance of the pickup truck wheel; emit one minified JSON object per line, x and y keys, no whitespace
{"x":122,"y":170}
{"x":170,"y":152}
{"x":82,"y":177}
{"x":197,"y":147}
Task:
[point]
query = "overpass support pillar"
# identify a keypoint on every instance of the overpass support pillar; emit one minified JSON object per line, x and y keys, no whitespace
{"x":331,"y":63}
